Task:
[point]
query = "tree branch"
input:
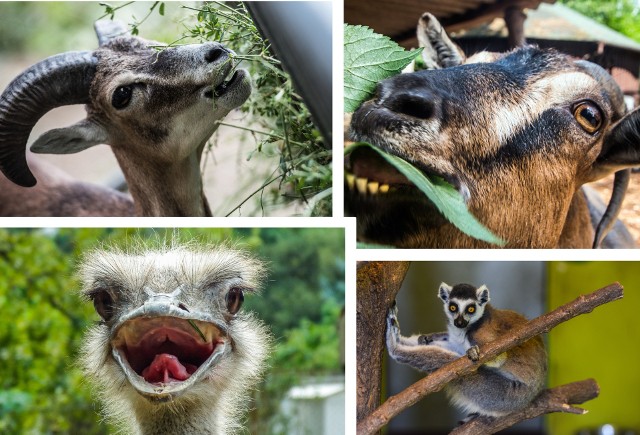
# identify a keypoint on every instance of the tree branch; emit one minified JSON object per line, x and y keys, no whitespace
{"x":460,"y":367}
{"x":558,"y":399}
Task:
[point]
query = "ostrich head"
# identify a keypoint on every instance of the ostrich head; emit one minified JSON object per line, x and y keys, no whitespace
{"x":173,"y":352}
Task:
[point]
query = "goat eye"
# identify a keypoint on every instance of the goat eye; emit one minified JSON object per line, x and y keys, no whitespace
{"x":235,"y":298}
{"x":588,"y":116}
{"x":103,"y":303}
{"x":121,"y":97}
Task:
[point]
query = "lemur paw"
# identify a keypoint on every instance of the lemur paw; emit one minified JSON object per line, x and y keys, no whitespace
{"x":392,"y":322}
{"x":392,"y":315}
{"x":468,"y":418}
{"x":424,"y":339}
{"x":473,"y":353}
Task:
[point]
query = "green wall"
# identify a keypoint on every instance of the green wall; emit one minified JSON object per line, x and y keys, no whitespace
{"x":604,"y":345}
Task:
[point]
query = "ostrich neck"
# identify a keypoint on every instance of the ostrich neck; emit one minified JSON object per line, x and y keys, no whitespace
{"x":179,"y":418}
{"x":167,"y":189}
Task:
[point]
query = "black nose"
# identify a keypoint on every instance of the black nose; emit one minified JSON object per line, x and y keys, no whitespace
{"x":215,"y":53}
{"x":460,"y":322}
{"x":417,"y":102}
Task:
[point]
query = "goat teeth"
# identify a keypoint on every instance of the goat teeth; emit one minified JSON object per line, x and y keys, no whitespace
{"x":361,"y":184}
{"x":372,"y":187}
{"x":384,"y":188}
{"x":351,"y":181}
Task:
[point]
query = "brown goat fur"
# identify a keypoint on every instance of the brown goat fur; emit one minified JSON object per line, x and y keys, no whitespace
{"x":517,"y":134}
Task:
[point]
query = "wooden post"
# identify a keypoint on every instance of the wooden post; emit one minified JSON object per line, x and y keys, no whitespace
{"x":377,"y":285}
{"x":514,"y":17}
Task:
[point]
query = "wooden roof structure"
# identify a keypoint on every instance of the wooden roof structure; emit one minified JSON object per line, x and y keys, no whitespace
{"x":398,"y":18}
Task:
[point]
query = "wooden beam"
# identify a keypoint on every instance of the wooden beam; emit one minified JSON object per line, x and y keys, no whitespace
{"x":514,"y":18}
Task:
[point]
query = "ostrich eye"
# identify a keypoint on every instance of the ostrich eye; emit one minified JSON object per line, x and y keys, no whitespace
{"x":121,"y":97}
{"x":235,"y":298}
{"x":103,"y":303}
{"x":588,"y":116}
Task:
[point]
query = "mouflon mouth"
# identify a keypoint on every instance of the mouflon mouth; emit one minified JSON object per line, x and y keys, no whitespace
{"x":218,"y":91}
{"x":162,"y":356}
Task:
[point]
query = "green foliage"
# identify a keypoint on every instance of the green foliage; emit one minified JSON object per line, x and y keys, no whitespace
{"x":277,"y":115}
{"x":442,"y":194}
{"x":368,"y":58}
{"x":42,"y":319}
{"x":620,"y":15}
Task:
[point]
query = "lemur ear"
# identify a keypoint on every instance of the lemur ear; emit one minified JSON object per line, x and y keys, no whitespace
{"x":443,"y":291}
{"x":482,"y":294}
{"x":438,"y":50}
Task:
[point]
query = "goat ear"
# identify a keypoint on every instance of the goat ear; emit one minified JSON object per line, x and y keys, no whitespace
{"x":69,"y":140}
{"x":438,"y":50}
{"x":620,"y":146}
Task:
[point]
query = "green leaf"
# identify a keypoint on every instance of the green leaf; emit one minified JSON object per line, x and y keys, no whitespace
{"x":369,"y":58}
{"x":161,"y":10}
{"x":442,"y":194}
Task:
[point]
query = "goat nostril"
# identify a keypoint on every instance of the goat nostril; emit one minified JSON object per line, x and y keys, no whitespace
{"x":215,"y":53}
{"x":413,"y":105}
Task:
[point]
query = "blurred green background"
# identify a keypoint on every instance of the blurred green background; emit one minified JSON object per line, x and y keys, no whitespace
{"x":42,"y":318}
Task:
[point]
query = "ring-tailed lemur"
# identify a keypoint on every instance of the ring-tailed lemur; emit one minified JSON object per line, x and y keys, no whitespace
{"x":501,"y":386}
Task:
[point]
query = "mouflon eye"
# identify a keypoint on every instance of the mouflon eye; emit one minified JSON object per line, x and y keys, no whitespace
{"x":103,"y":303}
{"x":453,"y":308}
{"x":235,"y":298}
{"x":588,"y":116}
{"x":471,"y":309}
{"x":121,"y":97}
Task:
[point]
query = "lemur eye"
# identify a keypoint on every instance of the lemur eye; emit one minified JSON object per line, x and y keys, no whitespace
{"x":453,"y":308}
{"x":235,"y":298}
{"x":121,"y":97}
{"x":588,"y":116}
{"x":471,"y":310}
{"x":103,"y":303}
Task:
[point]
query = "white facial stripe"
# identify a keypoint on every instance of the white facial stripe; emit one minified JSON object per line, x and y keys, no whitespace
{"x":555,"y":90}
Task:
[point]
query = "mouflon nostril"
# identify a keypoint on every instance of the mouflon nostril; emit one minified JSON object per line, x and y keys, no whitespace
{"x":416,"y":103}
{"x":215,"y":53}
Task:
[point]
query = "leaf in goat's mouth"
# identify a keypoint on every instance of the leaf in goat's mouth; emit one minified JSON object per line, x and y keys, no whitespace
{"x":194,"y":326}
{"x":442,"y":194}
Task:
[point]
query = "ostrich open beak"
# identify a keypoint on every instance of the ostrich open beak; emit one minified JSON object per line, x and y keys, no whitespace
{"x":163,"y":348}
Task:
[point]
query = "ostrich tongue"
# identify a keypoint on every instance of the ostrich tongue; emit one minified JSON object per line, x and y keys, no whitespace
{"x":166,"y":367}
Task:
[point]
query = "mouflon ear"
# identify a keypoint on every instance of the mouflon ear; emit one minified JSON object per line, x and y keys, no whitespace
{"x":444,"y":291}
{"x":482,"y":294}
{"x":69,"y":140}
{"x":438,"y":50}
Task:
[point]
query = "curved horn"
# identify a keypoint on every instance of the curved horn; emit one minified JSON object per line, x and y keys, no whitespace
{"x":56,"y":81}
{"x":107,"y":30}
{"x":609,"y":84}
